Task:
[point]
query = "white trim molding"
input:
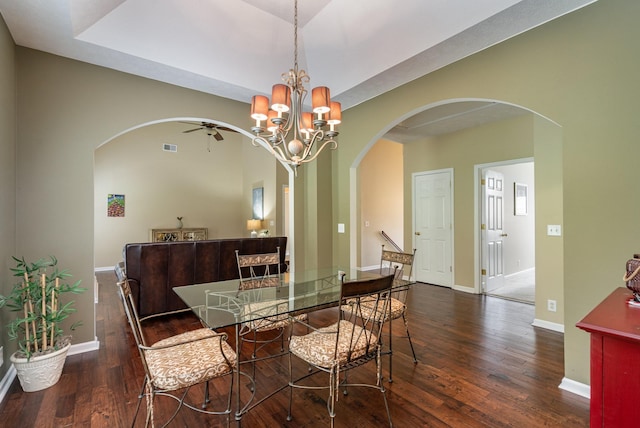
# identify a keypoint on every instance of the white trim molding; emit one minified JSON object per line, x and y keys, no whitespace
{"x":548,"y":325}
{"x":574,"y":387}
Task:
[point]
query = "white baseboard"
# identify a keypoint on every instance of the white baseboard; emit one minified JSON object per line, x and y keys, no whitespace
{"x":574,"y":387}
{"x":6,"y":382}
{"x":80,"y":348}
{"x":548,"y":325}
{"x":104,"y":269}
{"x":469,"y":290}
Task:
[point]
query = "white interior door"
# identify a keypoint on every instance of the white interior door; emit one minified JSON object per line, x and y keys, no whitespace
{"x":492,"y":230}
{"x":433,"y":227}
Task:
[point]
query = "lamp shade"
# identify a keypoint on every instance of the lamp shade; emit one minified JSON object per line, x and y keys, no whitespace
{"x":254,"y":224}
{"x":259,"y":107}
{"x":280,"y":98}
{"x":335,"y":115}
{"x":320,"y":99}
{"x":272,"y":127}
{"x":307,"y":122}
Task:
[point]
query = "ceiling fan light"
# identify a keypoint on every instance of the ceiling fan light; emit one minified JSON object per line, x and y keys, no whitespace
{"x":320,"y":100}
{"x":259,"y":107}
{"x":280,"y":98}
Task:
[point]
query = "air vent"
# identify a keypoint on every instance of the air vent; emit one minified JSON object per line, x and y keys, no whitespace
{"x":170,"y":147}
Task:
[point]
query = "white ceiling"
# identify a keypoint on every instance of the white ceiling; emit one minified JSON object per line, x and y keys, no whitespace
{"x":239,"y":48}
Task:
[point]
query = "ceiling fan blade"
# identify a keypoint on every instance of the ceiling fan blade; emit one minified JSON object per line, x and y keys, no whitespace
{"x":191,"y":130}
{"x":224,"y":128}
{"x":218,"y":136}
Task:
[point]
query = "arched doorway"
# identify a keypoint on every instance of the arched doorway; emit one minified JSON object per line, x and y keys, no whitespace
{"x":440,"y":150}
{"x":160,"y":185}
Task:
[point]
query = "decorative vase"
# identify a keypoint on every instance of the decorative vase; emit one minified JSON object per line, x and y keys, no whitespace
{"x":179,"y":224}
{"x":42,"y":371}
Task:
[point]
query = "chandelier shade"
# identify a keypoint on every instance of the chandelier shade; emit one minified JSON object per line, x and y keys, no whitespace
{"x":321,"y":100}
{"x":259,"y":107}
{"x":295,"y":136}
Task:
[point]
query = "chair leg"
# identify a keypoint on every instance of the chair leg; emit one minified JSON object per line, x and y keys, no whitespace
{"x":290,"y":388}
{"x":406,"y":326}
{"x":177,"y":409}
{"x":380,"y":385}
{"x":135,"y":415}
{"x":206,"y":395}
{"x":333,"y":392}
{"x":390,"y":353}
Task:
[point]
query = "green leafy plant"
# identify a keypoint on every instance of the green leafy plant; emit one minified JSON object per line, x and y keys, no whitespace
{"x":36,"y":299}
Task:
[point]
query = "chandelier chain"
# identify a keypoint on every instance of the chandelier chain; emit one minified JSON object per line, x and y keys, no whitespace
{"x":295,"y":34}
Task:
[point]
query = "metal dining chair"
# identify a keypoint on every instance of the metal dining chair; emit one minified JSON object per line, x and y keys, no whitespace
{"x":401,"y":266}
{"x":259,"y":275}
{"x":178,"y":363}
{"x":352,"y":341}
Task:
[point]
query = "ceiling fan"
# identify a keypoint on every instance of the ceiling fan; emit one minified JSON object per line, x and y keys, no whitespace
{"x":211,"y":129}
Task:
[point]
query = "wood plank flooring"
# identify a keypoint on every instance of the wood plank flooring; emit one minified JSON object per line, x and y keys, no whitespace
{"x":481,"y":364}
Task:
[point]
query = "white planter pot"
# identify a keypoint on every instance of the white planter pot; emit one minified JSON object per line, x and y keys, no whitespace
{"x":42,"y":371}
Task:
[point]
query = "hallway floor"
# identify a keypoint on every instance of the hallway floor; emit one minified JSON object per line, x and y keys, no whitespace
{"x":520,"y":287}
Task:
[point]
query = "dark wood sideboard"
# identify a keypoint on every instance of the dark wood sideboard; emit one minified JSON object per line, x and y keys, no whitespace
{"x":615,"y":361}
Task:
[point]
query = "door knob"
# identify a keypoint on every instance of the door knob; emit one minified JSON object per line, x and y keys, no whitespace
{"x":418,"y":233}
{"x":503,"y":234}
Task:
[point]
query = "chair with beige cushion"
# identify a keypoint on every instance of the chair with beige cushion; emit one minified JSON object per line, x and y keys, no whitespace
{"x":352,"y":341}
{"x":179,"y":362}
{"x":401,"y":266}
{"x":260,"y":277}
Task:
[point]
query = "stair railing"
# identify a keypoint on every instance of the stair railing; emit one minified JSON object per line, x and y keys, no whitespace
{"x":390,"y":241}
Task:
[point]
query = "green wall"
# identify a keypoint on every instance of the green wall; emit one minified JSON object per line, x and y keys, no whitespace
{"x":7,"y":174}
{"x":580,"y":71}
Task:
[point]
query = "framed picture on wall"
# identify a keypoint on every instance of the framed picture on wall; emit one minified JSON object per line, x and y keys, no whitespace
{"x":519,"y":199}
{"x":115,"y":205}
{"x":258,"y":205}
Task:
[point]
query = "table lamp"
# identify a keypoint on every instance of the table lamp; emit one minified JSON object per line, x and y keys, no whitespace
{"x":253,"y":225}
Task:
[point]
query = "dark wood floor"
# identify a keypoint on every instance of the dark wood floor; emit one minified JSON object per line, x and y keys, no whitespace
{"x":481,"y":364}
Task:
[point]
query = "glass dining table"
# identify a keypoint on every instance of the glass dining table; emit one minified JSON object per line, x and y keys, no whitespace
{"x":222,"y":305}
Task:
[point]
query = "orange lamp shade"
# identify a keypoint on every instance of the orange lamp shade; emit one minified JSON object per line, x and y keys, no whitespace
{"x":335,"y":115}
{"x":307,"y":121}
{"x":259,"y":107}
{"x":280,"y":98}
{"x":272,"y":127}
{"x":320,"y":99}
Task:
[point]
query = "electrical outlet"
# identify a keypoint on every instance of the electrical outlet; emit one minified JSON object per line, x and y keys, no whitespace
{"x":551,"y":305}
{"x":554,"y":230}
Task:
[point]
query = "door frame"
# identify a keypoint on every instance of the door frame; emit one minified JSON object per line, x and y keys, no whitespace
{"x":449,"y":171}
{"x":477,"y":212}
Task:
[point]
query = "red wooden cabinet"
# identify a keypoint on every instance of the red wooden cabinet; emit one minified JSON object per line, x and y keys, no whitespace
{"x":615,"y":361}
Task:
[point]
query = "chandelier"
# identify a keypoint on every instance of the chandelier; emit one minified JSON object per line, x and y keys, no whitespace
{"x":293,"y":135}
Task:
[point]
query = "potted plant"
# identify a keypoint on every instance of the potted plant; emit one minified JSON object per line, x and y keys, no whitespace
{"x":42,"y":344}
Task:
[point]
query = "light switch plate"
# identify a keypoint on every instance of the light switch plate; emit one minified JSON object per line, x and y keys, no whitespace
{"x":340,"y":227}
